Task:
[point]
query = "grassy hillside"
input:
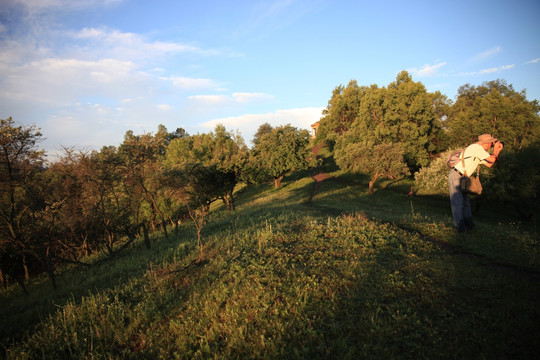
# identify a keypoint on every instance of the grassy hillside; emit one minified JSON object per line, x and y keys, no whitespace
{"x":295,"y":273}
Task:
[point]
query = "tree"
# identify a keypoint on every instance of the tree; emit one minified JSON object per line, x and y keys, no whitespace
{"x":403,"y":112}
{"x":203,"y":185}
{"x":20,"y":161}
{"x":263,"y":129}
{"x":283,"y":149}
{"x":341,"y":112}
{"x":141,"y":159}
{"x":221,"y":149}
{"x":382,"y":160}
{"x":495,"y":108}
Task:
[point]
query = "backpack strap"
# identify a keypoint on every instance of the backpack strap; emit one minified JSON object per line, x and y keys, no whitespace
{"x":463,"y":162}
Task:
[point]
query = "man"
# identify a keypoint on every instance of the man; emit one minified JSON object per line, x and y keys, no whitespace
{"x":474,"y":155}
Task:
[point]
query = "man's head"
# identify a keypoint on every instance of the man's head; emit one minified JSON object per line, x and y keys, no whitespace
{"x":486,"y":140}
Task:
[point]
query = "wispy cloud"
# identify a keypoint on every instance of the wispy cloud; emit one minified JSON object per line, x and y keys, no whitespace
{"x":486,"y":54}
{"x":234,"y":98}
{"x":36,"y":6}
{"x":534,"y":61}
{"x":125,"y":45}
{"x":187,"y":83}
{"x":427,"y":70}
{"x":269,"y":16}
{"x":496,"y":69}
{"x":164,"y":107}
{"x":488,"y":70}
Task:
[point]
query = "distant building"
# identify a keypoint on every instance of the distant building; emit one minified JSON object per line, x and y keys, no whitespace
{"x":314,"y":129}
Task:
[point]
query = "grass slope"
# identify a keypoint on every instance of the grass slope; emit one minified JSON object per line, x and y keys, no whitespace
{"x":345,"y":275}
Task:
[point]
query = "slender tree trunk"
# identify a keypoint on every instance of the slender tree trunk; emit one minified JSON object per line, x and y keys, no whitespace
{"x":26,"y":270}
{"x":164,"y":226}
{"x":277,"y":181}
{"x":50,"y":268}
{"x":146,"y":237}
{"x":229,"y":202}
{"x":372,"y":182}
{"x":3,"y":279}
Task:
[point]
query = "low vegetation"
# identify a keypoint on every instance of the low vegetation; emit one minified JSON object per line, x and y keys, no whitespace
{"x":343,"y":275}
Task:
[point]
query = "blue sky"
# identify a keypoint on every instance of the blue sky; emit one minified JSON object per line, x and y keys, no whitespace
{"x":86,"y":71}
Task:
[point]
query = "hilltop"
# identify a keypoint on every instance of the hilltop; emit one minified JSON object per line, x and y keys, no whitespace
{"x":313,"y":269}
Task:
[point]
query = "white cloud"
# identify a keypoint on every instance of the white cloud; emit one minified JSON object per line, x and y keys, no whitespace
{"x":533,"y":61}
{"x":496,"y":69}
{"x":486,"y":54}
{"x":164,"y":107}
{"x":209,"y":100}
{"x":235,"y":98}
{"x":249,"y":123}
{"x":251,"y":97}
{"x":191,"y":83}
{"x":427,"y":70}
{"x":124,"y":45}
{"x":34,"y":6}
{"x":59,"y":81}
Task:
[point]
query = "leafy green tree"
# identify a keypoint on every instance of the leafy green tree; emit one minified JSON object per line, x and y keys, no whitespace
{"x":283,"y":149}
{"x":202,"y":186}
{"x":141,"y":171}
{"x":496,"y":108}
{"x":341,"y":112}
{"x":402,"y":113}
{"x":263,"y":129}
{"x":383,"y":160}
{"x":221,"y":149}
{"x":105,"y":200}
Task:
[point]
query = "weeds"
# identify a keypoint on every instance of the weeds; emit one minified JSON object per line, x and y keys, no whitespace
{"x":280,"y":278}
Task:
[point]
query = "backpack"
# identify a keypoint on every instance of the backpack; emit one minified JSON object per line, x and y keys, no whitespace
{"x":454,"y":158}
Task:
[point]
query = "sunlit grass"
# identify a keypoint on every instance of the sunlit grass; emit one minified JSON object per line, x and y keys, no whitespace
{"x":346,"y":275}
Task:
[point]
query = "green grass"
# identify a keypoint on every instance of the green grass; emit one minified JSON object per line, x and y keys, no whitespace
{"x":345,"y":275}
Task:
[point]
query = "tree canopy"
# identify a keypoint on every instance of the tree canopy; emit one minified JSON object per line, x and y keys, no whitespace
{"x":281,"y":150}
{"x":404,"y":113}
{"x":495,"y":108}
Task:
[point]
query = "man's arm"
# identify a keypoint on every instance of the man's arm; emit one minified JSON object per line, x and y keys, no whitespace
{"x":490,"y":160}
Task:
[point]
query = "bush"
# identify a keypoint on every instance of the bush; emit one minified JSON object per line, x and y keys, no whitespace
{"x":516,"y":180}
{"x":434,"y":177}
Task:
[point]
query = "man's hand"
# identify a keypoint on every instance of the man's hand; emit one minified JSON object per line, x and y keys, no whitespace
{"x":497,"y":147}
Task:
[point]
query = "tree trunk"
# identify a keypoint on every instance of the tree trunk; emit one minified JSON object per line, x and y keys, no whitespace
{"x":50,"y":268}
{"x":164,"y":226}
{"x":229,"y":201}
{"x":3,"y":279}
{"x":372,"y":182}
{"x":277,"y":181}
{"x":26,"y":270}
{"x":146,"y":237}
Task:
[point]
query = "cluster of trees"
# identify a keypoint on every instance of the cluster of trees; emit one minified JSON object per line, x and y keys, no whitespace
{"x":400,"y":129}
{"x":101,"y":201}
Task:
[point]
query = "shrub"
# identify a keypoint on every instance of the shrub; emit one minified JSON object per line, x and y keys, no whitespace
{"x":434,"y":177}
